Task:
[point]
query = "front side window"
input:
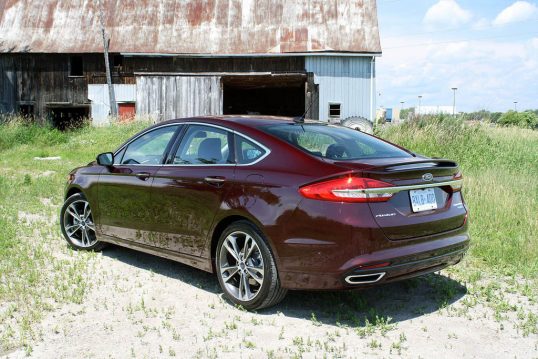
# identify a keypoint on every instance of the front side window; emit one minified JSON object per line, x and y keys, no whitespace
{"x":149,"y":148}
{"x":334,"y":142}
{"x":204,"y":145}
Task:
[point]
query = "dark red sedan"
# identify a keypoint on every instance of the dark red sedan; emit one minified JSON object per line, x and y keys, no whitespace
{"x":271,"y":204}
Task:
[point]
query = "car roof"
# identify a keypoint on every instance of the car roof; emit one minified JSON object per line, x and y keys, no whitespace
{"x":246,"y":120}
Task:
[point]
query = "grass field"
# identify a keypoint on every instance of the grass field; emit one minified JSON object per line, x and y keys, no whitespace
{"x":39,"y":273}
{"x":500,"y":168}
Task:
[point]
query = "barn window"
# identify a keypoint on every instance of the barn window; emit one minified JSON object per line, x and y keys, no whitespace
{"x":117,"y":61}
{"x":334,"y":110}
{"x":76,"y":66}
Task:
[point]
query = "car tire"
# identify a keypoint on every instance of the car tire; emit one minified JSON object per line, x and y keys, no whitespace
{"x":252,"y":258}
{"x":76,"y":222}
{"x":359,"y":124}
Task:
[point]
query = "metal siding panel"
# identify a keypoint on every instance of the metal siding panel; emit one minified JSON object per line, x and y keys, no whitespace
{"x":100,"y":101}
{"x":349,"y":87}
{"x":190,"y":26}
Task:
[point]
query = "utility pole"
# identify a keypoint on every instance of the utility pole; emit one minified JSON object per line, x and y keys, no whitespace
{"x":515,"y":106}
{"x":454,"y":103}
{"x":106,"y":43}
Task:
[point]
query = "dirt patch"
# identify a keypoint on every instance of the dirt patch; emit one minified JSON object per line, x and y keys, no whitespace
{"x":144,"y":306}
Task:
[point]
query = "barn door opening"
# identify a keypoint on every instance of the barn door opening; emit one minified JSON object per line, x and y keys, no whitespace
{"x":67,"y":117}
{"x":277,"y":95}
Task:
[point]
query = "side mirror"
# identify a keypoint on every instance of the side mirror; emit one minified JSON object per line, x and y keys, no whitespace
{"x":105,"y":159}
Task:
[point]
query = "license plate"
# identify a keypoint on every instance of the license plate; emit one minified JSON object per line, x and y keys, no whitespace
{"x":423,"y":199}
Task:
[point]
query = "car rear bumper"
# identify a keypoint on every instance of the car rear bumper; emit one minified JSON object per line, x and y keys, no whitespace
{"x":398,"y":263}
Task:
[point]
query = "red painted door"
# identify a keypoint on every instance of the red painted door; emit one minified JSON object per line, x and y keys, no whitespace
{"x":126,"y":111}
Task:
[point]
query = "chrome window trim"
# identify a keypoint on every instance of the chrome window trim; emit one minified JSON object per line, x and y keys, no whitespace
{"x":265,"y":148}
{"x":397,"y":189}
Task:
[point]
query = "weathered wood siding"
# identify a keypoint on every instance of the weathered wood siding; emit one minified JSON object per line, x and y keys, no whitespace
{"x":168,"y":97}
{"x":7,"y":87}
{"x":214,"y":64}
{"x":42,"y":79}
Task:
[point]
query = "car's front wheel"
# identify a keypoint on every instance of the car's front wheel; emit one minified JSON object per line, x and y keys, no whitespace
{"x":246,"y":268}
{"x":77,"y":224}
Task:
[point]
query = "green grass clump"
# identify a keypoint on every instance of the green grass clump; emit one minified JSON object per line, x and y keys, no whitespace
{"x":500,"y":167}
{"x":37,"y":270}
{"x":17,"y":132}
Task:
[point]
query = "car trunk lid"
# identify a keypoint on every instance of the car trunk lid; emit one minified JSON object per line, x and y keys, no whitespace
{"x":425,"y":195}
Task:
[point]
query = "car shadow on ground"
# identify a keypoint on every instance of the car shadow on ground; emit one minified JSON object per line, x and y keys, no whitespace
{"x":389,"y":303}
{"x":399,"y":301}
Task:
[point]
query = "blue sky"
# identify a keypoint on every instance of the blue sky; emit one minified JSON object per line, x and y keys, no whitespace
{"x":488,"y":49}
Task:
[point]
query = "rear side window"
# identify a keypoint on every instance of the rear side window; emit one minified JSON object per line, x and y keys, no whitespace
{"x":204,"y":145}
{"x":334,"y":142}
{"x":247,"y":151}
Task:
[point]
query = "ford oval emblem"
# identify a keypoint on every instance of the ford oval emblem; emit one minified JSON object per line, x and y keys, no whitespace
{"x":427,"y":177}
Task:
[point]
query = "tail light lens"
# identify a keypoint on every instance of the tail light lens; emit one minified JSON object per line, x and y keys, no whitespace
{"x":457,"y":187}
{"x":346,"y":189}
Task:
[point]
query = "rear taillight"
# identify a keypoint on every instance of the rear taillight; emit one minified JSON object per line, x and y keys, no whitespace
{"x":457,"y":186}
{"x":346,"y":189}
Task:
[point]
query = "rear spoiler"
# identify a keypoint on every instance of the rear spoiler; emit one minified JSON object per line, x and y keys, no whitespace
{"x":418,"y":165}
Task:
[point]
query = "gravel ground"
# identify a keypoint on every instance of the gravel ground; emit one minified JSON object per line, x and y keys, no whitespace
{"x":145,"y":307}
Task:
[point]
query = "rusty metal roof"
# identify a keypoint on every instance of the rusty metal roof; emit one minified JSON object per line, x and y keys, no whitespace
{"x":213,"y":27}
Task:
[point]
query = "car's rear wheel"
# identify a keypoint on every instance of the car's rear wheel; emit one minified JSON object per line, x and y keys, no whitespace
{"x":246,"y":268}
{"x":77,"y":224}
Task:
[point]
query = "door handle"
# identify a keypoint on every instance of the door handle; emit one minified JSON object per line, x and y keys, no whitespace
{"x":143,"y":175}
{"x":215,"y":179}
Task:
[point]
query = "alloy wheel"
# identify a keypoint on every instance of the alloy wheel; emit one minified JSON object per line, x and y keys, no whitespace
{"x":241,"y":266}
{"x":78,"y":224}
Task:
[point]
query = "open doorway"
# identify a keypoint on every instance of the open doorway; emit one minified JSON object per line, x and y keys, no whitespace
{"x":64,"y":117}
{"x":26,"y":110}
{"x":277,"y":95}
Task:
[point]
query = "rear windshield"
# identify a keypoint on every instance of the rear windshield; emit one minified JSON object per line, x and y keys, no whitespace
{"x":334,"y":142}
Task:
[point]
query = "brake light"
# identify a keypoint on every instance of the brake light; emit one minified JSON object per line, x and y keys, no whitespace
{"x":457,"y":186}
{"x":347,"y":189}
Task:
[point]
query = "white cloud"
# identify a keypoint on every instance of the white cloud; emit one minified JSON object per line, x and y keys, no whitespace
{"x":446,"y":13}
{"x":481,"y":24}
{"x":489,"y":74}
{"x":518,"y":11}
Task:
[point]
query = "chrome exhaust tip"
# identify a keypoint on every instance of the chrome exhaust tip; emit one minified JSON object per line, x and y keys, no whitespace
{"x":364,"y":278}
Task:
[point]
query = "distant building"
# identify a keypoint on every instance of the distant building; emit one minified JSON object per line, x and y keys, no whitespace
{"x":433,"y":110}
{"x":388,"y":115}
{"x":178,"y":58}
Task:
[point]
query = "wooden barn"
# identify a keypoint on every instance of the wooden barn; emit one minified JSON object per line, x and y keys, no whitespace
{"x":177,"y":58}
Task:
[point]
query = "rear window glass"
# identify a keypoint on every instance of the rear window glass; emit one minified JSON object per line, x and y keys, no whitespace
{"x":334,"y":142}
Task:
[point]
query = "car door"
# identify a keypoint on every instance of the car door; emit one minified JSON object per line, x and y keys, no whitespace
{"x":124,"y":189}
{"x":190,"y":189}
